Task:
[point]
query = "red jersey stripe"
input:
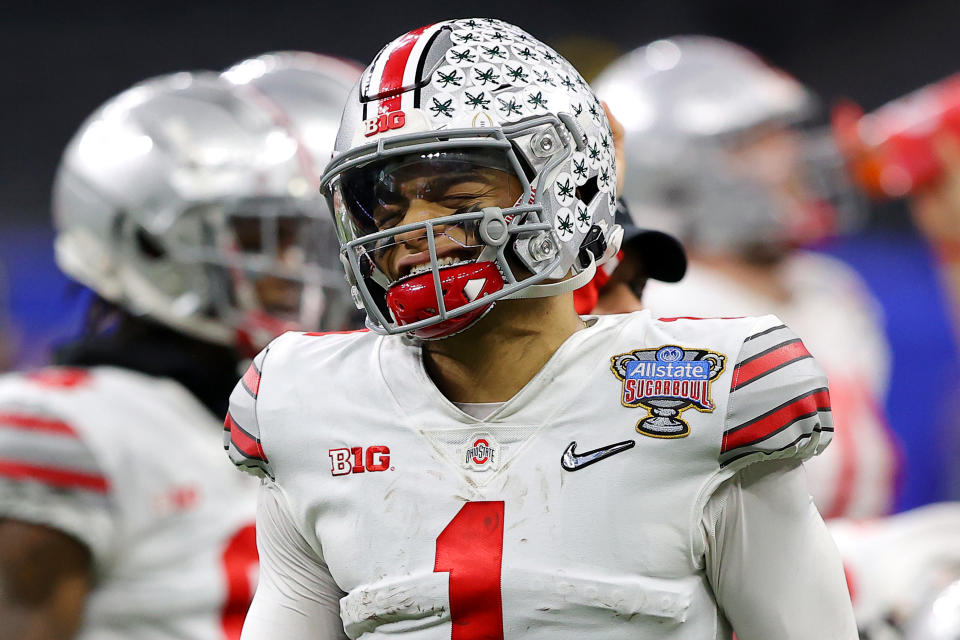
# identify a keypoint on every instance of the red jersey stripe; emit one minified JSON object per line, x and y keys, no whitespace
{"x":251,"y":380}
{"x":764,"y":363}
{"x":767,"y":425}
{"x":62,"y":478}
{"x":36,"y":423}
{"x":60,"y":377}
{"x":391,"y":81}
{"x":243,"y":441}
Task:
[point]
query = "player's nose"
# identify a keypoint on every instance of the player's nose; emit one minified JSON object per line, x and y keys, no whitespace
{"x":419,"y":211}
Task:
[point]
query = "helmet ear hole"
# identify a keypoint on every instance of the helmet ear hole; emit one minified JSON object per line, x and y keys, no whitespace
{"x":588,"y":191}
{"x":148,"y":245}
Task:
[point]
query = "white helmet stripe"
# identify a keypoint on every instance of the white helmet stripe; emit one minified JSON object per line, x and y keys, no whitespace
{"x":419,"y":50}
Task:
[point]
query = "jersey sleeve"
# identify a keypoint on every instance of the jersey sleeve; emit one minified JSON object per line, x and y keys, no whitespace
{"x":296,"y":598}
{"x":241,"y":428}
{"x":779,"y":404}
{"x":774,"y":569}
{"x":50,"y":476}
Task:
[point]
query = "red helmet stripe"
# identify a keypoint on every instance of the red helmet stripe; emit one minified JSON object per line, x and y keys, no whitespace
{"x":393,"y":71}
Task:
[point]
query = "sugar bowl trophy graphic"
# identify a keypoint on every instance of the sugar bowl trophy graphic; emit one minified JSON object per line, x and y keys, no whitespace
{"x":666,"y":381}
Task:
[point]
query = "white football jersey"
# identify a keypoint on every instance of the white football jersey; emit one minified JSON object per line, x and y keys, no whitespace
{"x":573,"y":510}
{"x":838,"y":319}
{"x":132,"y":466}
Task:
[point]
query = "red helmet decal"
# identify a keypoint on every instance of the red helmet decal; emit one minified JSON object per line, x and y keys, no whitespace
{"x":415,"y":299}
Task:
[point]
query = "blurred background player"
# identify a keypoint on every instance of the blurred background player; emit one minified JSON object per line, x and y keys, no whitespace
{"x":903,"y":570}
{"x":910,"y":147}
{"x":715,"y":154}
{"x":188,"y":206}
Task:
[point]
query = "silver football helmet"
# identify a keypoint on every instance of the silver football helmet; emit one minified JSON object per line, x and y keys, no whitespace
{"x":483,"y":101}
{"x":182,"y":200}
{"x":305,"y":93}
{"x":714,"y":153}
{"x":939,"y":619}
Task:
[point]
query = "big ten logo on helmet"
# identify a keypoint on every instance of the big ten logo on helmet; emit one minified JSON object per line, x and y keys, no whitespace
{"x":384,"y":122}
{"x":354,"y":460}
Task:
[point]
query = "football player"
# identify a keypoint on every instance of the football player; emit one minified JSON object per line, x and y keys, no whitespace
{"x":715,"y":154}
{"x":485,"y":463}
{"x":191,"y":211}
{"x":902,"y":569}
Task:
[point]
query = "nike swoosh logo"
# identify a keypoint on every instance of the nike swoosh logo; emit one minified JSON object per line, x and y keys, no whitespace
{"x":573,"y":461}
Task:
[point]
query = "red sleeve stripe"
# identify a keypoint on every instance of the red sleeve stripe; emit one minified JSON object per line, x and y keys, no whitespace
{"x":251,"y":380}
{"x":766,"y":362}
{"x":36,"y":423}
{"x":62,"y":478}
{"x":245,"y":443}
{"x":776,"y":420}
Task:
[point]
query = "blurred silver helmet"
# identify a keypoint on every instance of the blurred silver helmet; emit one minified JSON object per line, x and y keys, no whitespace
{"x":712,"y":152}
{"x":939,"y":619}
{"x":453,"y":98}
{"x":181,"y":200}
{"x":305,"y":93}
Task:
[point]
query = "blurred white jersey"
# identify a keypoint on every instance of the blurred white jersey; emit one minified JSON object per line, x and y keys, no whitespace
{"x":132,"y":466}
{"x":575,"y":509}
{"x":895,"y":565}
{"x":838,"y":319}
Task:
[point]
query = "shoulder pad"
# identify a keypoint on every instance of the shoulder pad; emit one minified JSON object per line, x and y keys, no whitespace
{"x":779,"y":404}
{"x":241,"y":428}
{"x":49,"y":475}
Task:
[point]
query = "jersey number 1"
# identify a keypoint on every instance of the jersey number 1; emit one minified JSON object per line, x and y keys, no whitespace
{"x":470,"y":548}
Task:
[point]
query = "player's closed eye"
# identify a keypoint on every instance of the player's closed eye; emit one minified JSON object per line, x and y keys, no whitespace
{"x":388,"y":216}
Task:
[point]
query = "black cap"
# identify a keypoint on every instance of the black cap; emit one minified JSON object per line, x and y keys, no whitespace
{"x":662,"y":255}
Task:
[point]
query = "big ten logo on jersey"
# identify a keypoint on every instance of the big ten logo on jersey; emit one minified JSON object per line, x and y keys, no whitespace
{"x":384,"y":122}
{"x":345,"y":461}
